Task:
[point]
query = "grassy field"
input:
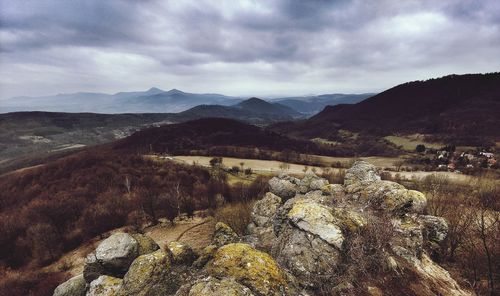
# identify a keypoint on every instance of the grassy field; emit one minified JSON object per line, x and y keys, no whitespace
{"x":257,"y":165}
{"x":410,"y":142}
{"x":271,"y":167}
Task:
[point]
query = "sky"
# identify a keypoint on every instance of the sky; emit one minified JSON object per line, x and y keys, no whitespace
{"x":243,"y":48}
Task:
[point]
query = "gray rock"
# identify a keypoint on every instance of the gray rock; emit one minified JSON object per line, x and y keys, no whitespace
{"x":146,"y":244}
{"x":311,"y":182}
{"x":211,"y":286}
{"x":309,"y":240}
{"x":305,"y":255}
{"x":75,"y":286}
{"x":117,"y":252}
{"x":435,"y":228}
{"x":317,"y":219}
{"x":181,"y":253}
{"x":104,"y":286}
{"x":264,"y":210}
{"x":92,"y":268}
{"x":361,"y":174}
{"x":393,"y":197}
{"x":150,"y":274}
{"x":283,"y":187}
{"x":224,"y":235}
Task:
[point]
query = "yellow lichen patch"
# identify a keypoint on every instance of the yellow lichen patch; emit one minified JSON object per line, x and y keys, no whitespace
{"x":221,"y":226}
{"x":351,"y":220}
{"x":250,"y":267}
{"x":146,"y":244}
{"x":306,"y":208}
{"x":317,"y":219}
{"x":150,"y":274}
{"x":419,"y":201}
{"x":181,"y":253}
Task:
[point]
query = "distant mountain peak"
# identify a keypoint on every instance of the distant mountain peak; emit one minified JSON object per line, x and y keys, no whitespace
{"x":253,"y":101}
{"x":154,"y":90}
{"x":175,"y":91}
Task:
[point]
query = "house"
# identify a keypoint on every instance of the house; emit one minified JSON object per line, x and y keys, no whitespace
{"x":442,"y":154}
{"x":486,"y":154}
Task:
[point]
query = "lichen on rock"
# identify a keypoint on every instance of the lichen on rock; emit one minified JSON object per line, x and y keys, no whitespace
{"x":211,"y":286}
{"x":150,"y":274}
{"x":105,"y":286}
{"x":255,"y":269}
{"x":224,"y":235}
{"x":75,"y":286}
{"x":181,"y":253}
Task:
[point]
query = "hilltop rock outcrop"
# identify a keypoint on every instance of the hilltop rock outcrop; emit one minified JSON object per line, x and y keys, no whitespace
{"x":307,"y":237}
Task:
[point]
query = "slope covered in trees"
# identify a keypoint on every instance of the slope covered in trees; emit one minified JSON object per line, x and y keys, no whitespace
{"x":460,"y":106}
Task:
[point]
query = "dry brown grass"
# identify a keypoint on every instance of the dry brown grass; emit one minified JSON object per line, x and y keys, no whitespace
{"x":29,"y":283}
{"x":236,"y":215}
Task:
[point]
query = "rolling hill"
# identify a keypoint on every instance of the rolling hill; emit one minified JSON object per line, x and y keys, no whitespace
{"x":460,"y":107}
{"x":207,"y":133}
{"x":253,"y":110}
{"x":260,"y":106}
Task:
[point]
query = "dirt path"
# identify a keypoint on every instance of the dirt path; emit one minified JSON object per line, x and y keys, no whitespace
{"x":196,"y":232}
{"x":191,"y":228}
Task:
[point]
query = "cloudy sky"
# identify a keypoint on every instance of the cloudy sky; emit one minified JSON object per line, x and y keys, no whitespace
{"x":245,"y":47}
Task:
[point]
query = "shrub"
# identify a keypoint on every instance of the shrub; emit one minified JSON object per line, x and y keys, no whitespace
{"x":236,"y":215}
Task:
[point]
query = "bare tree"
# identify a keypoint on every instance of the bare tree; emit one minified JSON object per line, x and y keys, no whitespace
{"x":127,"y":184}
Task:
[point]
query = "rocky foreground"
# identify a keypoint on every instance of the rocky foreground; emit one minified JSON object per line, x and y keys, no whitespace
{"x":308,"y":237}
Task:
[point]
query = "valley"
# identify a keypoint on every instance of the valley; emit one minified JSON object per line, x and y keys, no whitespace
{"x":71,"y":180}
{"x":249,"y":148}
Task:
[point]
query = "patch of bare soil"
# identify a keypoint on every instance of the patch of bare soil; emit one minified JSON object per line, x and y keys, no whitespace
{"x":197,"y":232}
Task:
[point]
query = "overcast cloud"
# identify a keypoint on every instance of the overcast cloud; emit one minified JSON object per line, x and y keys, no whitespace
{"x":241,"y":47}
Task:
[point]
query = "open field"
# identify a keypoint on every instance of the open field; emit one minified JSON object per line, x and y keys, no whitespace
{"x":410,"y":142}
{"x":273,"y":167}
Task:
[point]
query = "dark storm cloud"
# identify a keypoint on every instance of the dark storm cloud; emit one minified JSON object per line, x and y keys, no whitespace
{"x":241,"y":47}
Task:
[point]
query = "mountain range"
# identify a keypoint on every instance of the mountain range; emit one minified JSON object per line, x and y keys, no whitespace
{"x":456,"y":106}
{"x":156,"y":100}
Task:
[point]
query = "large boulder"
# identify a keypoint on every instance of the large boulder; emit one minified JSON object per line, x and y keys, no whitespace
{"x":117,"y":252}
{"x":393,"y":197}
{"x":92,"y":268}
{"x":150,"y":274}
{"x":284,"y":186}
{"x":305,"y":255}
{"x":146,"y":244}
{"x":316,"y":219}
{"x":211,"y":286}
{"x":311,"y":182}
{"x":264,"y":210}
{"x":309,"y":239}
{"x":104,"y":286}
{"x":75,"y":286}
{"x":114,"y":255}
{"x":181,"y":253}
{"x":252,"y":268}
{"x":360,"y":175}
{"x":261,"y":229}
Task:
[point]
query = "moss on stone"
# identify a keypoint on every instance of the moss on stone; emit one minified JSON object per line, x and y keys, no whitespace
{"x":250,"y":267}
